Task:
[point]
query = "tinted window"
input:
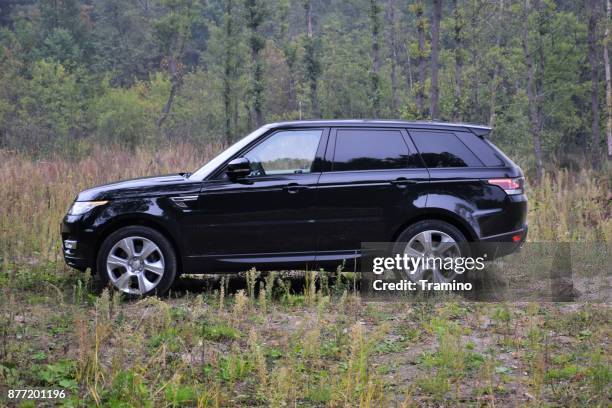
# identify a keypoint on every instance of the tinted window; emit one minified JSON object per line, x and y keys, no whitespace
{"x":481,"y":148}
{"x":358,"y":149}
{"x":443,"y":149}
{"x":285,"y":152}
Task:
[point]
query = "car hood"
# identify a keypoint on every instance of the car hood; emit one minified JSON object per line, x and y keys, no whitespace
{"x":141,"y":187}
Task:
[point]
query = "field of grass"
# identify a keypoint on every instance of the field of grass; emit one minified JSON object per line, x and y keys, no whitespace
{"x":283,"y":339}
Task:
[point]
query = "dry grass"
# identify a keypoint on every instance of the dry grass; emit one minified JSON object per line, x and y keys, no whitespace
{"x":35,"y":194}
{"x":571,"y":207}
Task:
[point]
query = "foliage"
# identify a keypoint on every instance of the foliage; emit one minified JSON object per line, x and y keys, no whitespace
{"x":76,"y":72}
{"x":127,"y":116}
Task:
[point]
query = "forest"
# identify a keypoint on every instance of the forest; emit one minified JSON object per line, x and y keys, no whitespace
{"x":80,"y":73}
{"x":95,"y":91}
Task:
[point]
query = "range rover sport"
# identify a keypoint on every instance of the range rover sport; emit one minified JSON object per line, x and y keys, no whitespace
{"x":297,"y":195}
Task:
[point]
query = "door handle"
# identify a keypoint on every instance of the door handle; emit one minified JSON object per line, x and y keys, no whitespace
{"x":293,"y":188}
{"x":402,"y":182}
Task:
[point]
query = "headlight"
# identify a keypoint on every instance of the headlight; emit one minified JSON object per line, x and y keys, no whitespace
{"x":81,"y":207}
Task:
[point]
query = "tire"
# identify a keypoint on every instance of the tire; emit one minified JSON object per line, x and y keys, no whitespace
{"x":433,"y":228}
{"x":138,"y":261}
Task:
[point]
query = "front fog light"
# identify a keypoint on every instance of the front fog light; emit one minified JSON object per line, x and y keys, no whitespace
{"x":70,"y":244}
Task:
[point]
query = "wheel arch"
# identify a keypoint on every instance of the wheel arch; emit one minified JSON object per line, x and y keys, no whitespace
{"x":439,"y":215}
{"x":142,"y":221}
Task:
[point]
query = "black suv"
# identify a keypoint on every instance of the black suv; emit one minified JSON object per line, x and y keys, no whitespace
{"x":297,"y":195}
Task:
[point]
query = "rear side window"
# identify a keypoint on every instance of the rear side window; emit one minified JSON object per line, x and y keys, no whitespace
{"x":481,"y":148}
{"x":443,"y":149}
{"x":363,"y":149}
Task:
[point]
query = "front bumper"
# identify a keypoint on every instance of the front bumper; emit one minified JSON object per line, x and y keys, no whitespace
{"x":78,"y":243}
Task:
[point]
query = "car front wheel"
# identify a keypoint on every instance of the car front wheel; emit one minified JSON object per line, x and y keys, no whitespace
{"x":137,"y":261}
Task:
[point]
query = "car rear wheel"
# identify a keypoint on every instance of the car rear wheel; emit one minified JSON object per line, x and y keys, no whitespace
{"x":432,"y":239}
{"x":137,"y":261}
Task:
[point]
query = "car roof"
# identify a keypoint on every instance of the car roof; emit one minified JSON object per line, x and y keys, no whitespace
{"x":480,"y":130}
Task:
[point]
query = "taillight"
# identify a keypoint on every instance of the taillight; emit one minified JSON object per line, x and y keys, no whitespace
{"x":509,"y":185}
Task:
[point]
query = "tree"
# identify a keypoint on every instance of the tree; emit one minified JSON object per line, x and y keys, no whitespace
{"x":593,"y":61}
{"x":394,"y":50}
{"x":532,"y":94}
{"x":434,"y":91}
{"x":210,"y":70}
{"x":230,"y":67}
{"x":421,"y":53}
{"x":255,"y":15}
{"x":172,"y":30}
{"x":123,"y":41}
{"x":66,"y":14}
{"x":496,"y":57}
{"x":290,"y":51}
{"x":608,"y":80}
{"x":311,"y":61}
{"x":458,"y":53}
{"x":375,"y":74}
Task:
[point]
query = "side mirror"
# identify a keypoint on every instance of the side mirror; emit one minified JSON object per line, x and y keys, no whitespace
{"x":238,"y":168}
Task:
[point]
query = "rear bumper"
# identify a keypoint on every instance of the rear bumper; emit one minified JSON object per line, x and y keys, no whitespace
{"x":496,"y":246}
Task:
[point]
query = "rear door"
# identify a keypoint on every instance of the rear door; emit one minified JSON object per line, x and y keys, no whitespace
{"x":373,"y":181}
{"x":459,"y":164}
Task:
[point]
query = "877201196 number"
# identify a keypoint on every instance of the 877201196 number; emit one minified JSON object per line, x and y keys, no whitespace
{"x":34,"y":393}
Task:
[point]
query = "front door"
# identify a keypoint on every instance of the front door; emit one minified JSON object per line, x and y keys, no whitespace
{"x":266,"y":218}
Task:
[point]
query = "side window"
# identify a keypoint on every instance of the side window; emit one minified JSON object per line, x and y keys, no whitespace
{"x":285,"y":152}
{"x":443,"y":149}
{"x":481,"y":148}
{"x":358,"y":149}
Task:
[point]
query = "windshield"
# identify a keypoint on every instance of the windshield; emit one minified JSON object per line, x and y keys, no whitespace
{"x":209,"y":167}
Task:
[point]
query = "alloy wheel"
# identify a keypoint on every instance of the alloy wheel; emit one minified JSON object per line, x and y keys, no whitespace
{"x":432,"y":244}
{"x":135,"y":265}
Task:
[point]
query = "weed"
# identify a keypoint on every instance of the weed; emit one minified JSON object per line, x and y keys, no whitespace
{"x":222,"y":293}
{"x":437,"y":386}
{"x":219,"y":332}
{"x":181,"y":395}
{"x":259,"y":361}
{"x":310,"y":287}
{"x":240,"y":305}
{"x":60,"y":374}
{"x":234,"y":367}
{"x":127,"y":389}
{"x":251,"y":280}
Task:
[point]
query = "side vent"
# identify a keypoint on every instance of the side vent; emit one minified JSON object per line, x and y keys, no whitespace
{"x":181,"y":201}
